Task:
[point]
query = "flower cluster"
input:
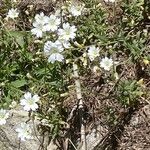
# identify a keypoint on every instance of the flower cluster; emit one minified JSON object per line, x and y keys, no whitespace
{"x":52,"y":49}
{"x":63,"y":34}
{"x":105,"y":63}
{"x":29,"y":103}
{"x":24,"y":131}
{"x":44,"y":23}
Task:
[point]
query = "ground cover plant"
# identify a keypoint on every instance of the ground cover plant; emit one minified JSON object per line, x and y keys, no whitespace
{"x":74,"y":66}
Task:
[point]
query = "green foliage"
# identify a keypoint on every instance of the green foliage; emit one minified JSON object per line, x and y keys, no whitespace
{"x":128,"y":92}
{"x":24,"y":68}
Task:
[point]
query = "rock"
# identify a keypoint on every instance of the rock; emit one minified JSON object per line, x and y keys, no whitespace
{"x":8,"y":136}
{"x":95,"y":136}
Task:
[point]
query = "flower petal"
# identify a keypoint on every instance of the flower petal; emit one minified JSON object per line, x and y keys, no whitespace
{"x":28,"y":95}
{"x":36,"y":98}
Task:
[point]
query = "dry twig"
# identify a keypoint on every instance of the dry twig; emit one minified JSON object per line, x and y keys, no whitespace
{"x":80,"y":98}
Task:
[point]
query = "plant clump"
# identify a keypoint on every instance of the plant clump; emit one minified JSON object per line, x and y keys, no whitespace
{"x":74,"y":67}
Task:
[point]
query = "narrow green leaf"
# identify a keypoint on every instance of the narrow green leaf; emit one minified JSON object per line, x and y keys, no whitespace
{"x":18,"y":83}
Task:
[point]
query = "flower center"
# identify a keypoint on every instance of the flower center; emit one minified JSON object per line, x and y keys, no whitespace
{"x":68,"y":32}
{"x":30,"y":102}
{"x":52,"y":22}
{"x":95,"y":53}
{"x":107,"y":63}
{"x":40,"y":27}
{"x":54,"y":50}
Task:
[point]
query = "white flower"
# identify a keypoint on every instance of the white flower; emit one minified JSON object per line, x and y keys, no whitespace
{"x":13,"y":13}
{"x":76,"y":9}
{"x":24,"y":132}
{"x":53,"y":50}
{"x":68,"y":32}
{"x":3,"y":116}
{"x":29,"y":102}
{"x":111,"y":1}
{"x":38,"y":29}
{"x":39,"y":24}
{"x":106,"y":63}
{"x":52,"y":23}
{"x":41,"y":18}
{"x":93,"y":52}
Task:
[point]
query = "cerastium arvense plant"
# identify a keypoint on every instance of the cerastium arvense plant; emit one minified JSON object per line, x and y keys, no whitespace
{"x":42,"y":59}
